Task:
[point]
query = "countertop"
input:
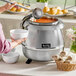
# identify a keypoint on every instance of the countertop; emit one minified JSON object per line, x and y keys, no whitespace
{"x":7,"y":15}
{"x":34,"y":69}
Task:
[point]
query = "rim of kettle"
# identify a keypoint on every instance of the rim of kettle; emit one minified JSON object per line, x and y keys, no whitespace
{"x":45,"y":24}
{"x":34,"y":49}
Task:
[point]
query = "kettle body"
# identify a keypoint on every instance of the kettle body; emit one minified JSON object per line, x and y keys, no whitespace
{"x":44,"y":40}
{"x":44,"y":37}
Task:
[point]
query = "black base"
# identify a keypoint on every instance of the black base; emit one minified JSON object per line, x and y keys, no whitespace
{"x":28,"y":61}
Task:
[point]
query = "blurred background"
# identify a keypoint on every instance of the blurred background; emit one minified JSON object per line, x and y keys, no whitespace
{"x":51,"y":2}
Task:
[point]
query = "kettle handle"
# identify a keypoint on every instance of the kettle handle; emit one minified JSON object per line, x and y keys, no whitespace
{"x":25,"y":19}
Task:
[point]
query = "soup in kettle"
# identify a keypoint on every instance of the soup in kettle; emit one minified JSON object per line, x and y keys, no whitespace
{"x":45,"y":20}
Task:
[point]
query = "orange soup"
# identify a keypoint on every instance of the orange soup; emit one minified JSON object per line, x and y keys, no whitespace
{"x":45,"y":20}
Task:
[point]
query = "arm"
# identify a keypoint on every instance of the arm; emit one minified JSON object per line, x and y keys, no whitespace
{"x":6,"y":46}
{"x":2,"y":9}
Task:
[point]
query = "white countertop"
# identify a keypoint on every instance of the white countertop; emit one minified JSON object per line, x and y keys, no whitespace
{"x":33,"y":69}
{"x":7,"y":15}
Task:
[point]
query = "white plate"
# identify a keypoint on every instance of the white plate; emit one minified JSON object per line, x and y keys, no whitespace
{"x":17,"y":12}
{"x":56,"y":15}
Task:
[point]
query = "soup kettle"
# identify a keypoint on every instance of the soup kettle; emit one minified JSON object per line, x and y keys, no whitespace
{"x":44,"y":39}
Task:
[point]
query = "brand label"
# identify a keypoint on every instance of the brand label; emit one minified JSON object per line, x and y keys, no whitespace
{"x":46,"y":45}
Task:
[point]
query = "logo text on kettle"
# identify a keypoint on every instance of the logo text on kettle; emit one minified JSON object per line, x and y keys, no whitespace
{"x":46,"y":45}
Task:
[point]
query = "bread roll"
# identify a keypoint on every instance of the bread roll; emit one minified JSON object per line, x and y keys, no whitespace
{"x":46,"y":9}
{"x":59,"y":12}
{"x":65,"y":11}
{"x":13,"y":9}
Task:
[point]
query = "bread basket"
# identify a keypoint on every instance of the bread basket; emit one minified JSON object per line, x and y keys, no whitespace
{"x":65,"y":66}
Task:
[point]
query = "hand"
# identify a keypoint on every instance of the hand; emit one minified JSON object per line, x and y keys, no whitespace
{"x":9,"y":6}
{"x":12,"y":39}
{"x":20,"y":41}
{"x":17,"y":42}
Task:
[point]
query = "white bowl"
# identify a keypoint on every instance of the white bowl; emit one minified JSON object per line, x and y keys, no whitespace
{"x":11,"y":57}
{"x":18,"y":33}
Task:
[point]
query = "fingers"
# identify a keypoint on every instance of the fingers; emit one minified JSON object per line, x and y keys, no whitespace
{"x":12,"y":39}
{"x":20,"y":40}
{"x":12,"y":5}
{"x":9,"y":6}
{"x":17,"y":42}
